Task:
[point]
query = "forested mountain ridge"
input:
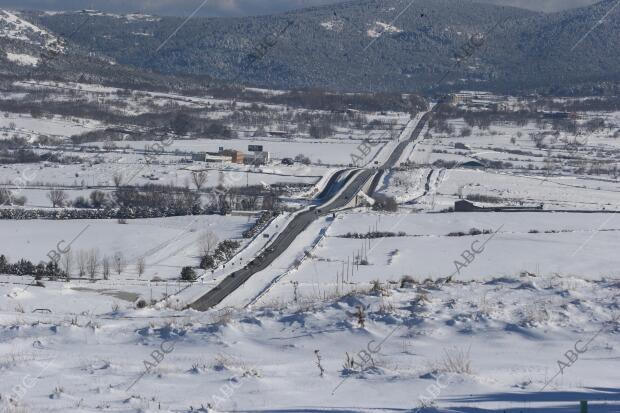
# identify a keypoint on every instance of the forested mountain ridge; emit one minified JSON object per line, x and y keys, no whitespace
{"x":367,"y":45}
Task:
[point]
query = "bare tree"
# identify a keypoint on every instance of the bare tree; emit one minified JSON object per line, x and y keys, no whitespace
{"x":118,"y":179}
{"x":92,"y":263}
{"x":199,"y":178}
{"x":252,"y":200}
{"x":58,"y":197}
{"x":119,"y":263}
{"x":207,"y":242}
{"x":141,"y":266}
{"x":6,"y":197}
{"x":82,"y":258}
{"x":66,"y":263}
{"x":105,"y":265}
{"x":222,"y":201}
{"x":97,"y":199}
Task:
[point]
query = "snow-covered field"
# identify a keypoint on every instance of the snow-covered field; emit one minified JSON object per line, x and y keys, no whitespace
{"x":27,"y":127}
{"x":439,"y":312}
{"x":565,"y":244}
{"x":166,"y":244}
{"x":463,"y":346}
{"x":99,"y":171}
{"x":554,"y":192}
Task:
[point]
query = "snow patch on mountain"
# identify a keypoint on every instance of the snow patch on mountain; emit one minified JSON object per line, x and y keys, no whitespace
{"x":22,"y":59}
{"x":379,"y":28}
{"x":130,"y":17}
{"x":333,"y":25}
{"x":13,"y":27}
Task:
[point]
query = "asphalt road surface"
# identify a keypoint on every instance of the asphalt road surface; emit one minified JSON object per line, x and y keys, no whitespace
{"x":352,"y":186}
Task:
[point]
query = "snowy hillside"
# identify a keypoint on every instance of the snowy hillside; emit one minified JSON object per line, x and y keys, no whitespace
{"x":15,"y":28}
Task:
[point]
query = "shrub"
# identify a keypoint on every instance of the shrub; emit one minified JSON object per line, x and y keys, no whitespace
{"x":385,"y":203}
{"x":97,"y":199}
{"x":260,"y":223}
{"x":303,"y":159}
{"x":207,"y":262}
{"x":81,"y":202}
{"x":188,"y":274}
{"x":456,"y":361}
{"x":407,"y":281}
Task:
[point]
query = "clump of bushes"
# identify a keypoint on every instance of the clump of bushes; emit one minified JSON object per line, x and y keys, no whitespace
{"x":489,"y":199}
{"x":473,"y":231}
{"x":384,"y":203}
{"x":26,"y":267}
{"x":374,"y":234}
{"x":260,"y":223}
{"x":407,"y":281}
{"x":224,"y":251}
{"x":188,"y":274}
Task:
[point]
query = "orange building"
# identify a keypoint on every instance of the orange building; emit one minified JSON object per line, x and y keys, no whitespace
{"x":238,"y":157}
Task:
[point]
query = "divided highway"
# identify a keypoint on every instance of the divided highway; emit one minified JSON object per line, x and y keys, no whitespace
{"x":353,"y":185}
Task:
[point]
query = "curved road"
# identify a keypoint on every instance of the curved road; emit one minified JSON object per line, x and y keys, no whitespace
{"x":354,"y":183}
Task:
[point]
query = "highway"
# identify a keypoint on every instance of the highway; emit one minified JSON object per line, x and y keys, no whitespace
{"x":351,"y":187}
